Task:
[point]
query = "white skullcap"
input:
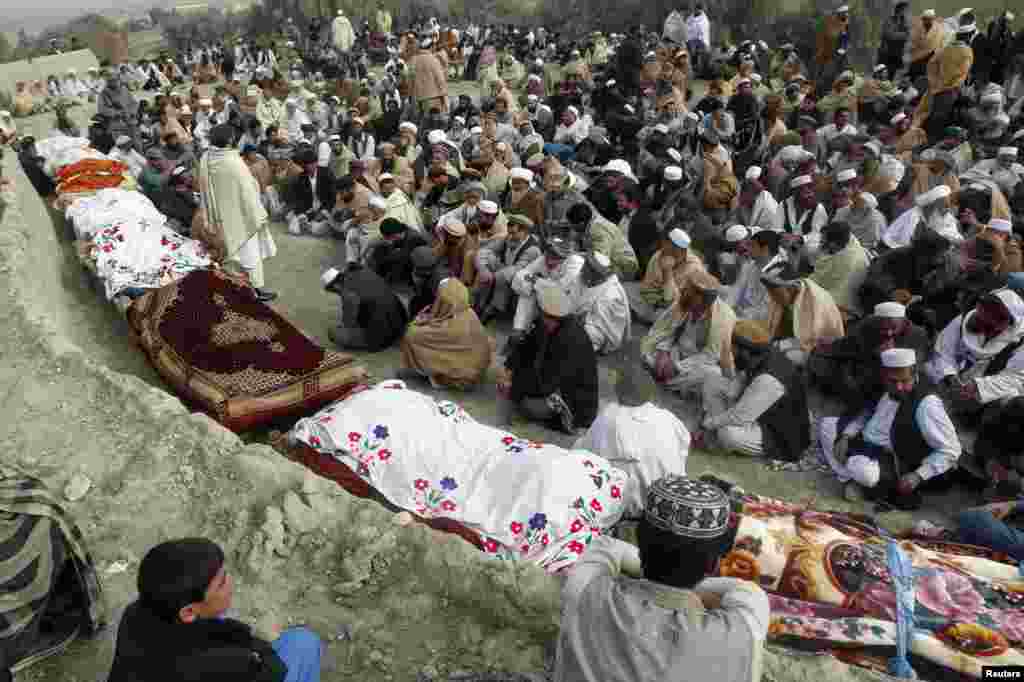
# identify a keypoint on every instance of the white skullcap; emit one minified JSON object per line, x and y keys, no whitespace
{"x":753,"y":173}
{"x":489,"y":207}
{"x":898,"y":118}
{"x":756,"y":77}
{"x":897,"y":358}
{"x":123,"y":139}
{"x":891,"y":310}
{"x":532,"y":98}
{"x":673,"y":173}
{"x":378,"y":202}
{"x":928,"y":14}
{"x":629,"y":108}
{"x":1000,"y":225}
{"x":329,"y":276}
{"x":426,"y":42}
{"x":476,"y":130}
{"x":679,"y":238}
{"x":574,"y":111}
{"x":661,"y":128}
{"x":875,"y":148}
{"x":869,"y":199}
{"x":206,"y":102}
{"x":552,"y":300}
{"x":617,"y":166}
{"x":533,"y":77}
{"x":334,"y":138}
{"x":341,"y":12}
{"x":844,"y":9}
{"x":610,"y":82}
{"x":524,"y":174}
{"x":436,"y":136}
{"x":994,"y":96}
{"x":846,"y":175}
{"x":933,"y":195}
{"x":880,"y":67}
{"x":5,"y":114}
{"x":538,"y":62}
{"x":297,"y":83}
{"x":291,"y":102}
{"x":692,"y":116}
{"x":406,"y":125}
{"x":385,"y":176}
{"x":674,"y":154}
{"x":460,"y":119}
{"x":800,"y":181}
{"x":736,"y":233}
{"x":1007,"y":151}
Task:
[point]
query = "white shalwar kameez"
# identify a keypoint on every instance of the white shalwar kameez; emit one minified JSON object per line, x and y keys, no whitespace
{"x":604,"y":310}
{"x":566,"y":276}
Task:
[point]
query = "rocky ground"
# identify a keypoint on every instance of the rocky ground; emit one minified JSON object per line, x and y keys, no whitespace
{"x":85,"y":412}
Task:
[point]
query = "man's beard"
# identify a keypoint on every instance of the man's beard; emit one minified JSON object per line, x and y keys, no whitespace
{"x":516,"y":197}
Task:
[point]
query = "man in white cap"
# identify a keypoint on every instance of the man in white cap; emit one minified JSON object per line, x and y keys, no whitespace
{"x":803,"y":218}
{"x":840,"y":125}
{"x":899,"y":446}
{"x":560,"y":266}
{"x":848,"y":368}
{"x":978,"y":357}
{"x":234,"y":211}
{"x":364,"y":230}
{"x":711,"y":628}
{"x":124,"y":152}
{"x":865,"y":220}
{"x":930,"y":212}
{"x":603,"y":305}
{"x":756,"y":207}
{"x":294,"y":119}
{"x":551,"y":371}
{"x":571,"y":131}
{"x":497,"y":267}
{"x":521,"y":197}
{"x":1004,"y":170}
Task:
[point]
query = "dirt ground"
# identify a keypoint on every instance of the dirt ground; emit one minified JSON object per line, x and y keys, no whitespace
{"x":391,"y":602}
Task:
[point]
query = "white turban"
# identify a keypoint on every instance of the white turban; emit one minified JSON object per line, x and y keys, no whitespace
{"x":896,"y":358}
{"x":891,"y":309}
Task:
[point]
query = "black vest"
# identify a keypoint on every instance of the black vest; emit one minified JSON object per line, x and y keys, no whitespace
{"x":786,"y":424}
{"x":908,"y":445}
{"x":1002,"y":358}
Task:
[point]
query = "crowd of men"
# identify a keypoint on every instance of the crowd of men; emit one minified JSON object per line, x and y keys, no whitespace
{"x":799,"y":235}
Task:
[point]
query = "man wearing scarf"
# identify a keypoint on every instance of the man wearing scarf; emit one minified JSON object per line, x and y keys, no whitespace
{"x":803,"y":217}
{"x":756,"y":206}
{"x":692,"y":340}
{"x":521,"y":197}
{"x":948,"y":72}
{"x":865,"y":220}
{"x":234,"y":210}
{"x":179,"y":627}
{"x":930,"y":212}
{"x":603,"y":305}
{"x":559,"y":266}
{"x":926,"y":39}
{"x":899,"y":446}
{"x":801,"y":314}
{"x":842,"y":267}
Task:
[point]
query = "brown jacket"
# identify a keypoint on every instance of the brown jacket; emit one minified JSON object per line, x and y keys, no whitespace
{"x":531,"y":206}
{"x":430,"y":81}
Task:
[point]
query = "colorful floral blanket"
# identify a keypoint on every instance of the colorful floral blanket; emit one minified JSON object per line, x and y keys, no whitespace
{"x":531,"y":501}
{"x":830,"y":589}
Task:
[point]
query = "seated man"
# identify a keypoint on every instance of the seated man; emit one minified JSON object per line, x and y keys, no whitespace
{"x":552,"y":370}
{"x":445,"y":342}
{"x":1004,"y":169}
{"x":760,"y":254}
{"x":622,"y":435}
{"x":487,"y":230}
{"x":978,"y":357}
{"x":498,"y":264}
{"x":841,"y":267}
{"x":900,"y":445}
{"x":709,"y":628}
{"x":899,"y":274}
{"x":178,"y":628}
{"x":996,"y":526}
{"x":848,"y":367}
{"x":372,"y":316}
{"x":364,"y":229}
{"x":666,"y":273}
{"x":692,"y":340}
{"x":603,"y":306}
{"x":124,"y":152}
{"x":800,"y":314}
{"x":427,"y":273}
{"x":763,"y":411}
{"x":179,"y":200}
{"x":603,"y":237}
{"x":391,"y":255}
{"x":309,"y":197}
{"x":560,"y":266}
{"x":400,"y":205}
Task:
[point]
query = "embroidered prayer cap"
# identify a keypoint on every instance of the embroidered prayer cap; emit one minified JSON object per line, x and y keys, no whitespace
{"x":673,"y":173}
{"x":455,"y":228}
{"x":634,"y":386}
{"x":1000,"y":225}
{"x":327,"y":279}
{"x":898,"y":358}
{"x":680,"y":238}
{"x":523,"y":174}
{"x":800,"y":181}
{"x":928,"y":14}
{"x":931,"y":196}
{"x":891,"y":310}
{"x":688,"y":508}
{"x":1008,"y":151}
{"x":736,"y":233}
{"x":559,"y":247}
{"x":489,"y":207}
{"x":674,"y":154}
{"x":846,"y":175}
{"x":552,"y":300}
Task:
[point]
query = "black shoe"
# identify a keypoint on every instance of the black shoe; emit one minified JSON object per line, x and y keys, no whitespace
{"x":265,"y":296}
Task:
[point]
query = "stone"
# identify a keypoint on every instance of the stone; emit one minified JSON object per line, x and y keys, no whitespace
{"x":300,"y":517}
{"x":77,"y":487}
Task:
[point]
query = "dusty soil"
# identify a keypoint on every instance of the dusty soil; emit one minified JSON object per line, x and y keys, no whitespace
{"x":390,"y":601}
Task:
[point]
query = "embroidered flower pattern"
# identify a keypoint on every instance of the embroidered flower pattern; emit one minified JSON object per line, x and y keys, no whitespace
{"x":368,"y":449}
{"x":434,"y":500}
{"x":452,"y":411}
{"x":515,"y":446}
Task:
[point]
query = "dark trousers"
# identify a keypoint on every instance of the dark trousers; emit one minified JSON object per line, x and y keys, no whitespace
{"x":891,"y":471}
{"x":941,"y":114}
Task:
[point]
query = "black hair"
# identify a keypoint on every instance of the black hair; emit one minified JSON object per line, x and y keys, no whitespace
{"x":579,"y":214}
{"x":177,"y":573}
{"x":681,"y":562}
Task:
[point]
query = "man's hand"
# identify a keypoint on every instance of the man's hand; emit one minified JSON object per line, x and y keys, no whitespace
{"x":908,"y":483}
{"x":711,"y":600}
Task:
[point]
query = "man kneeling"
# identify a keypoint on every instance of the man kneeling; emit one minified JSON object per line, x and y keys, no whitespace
{"x":178,"y":629}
